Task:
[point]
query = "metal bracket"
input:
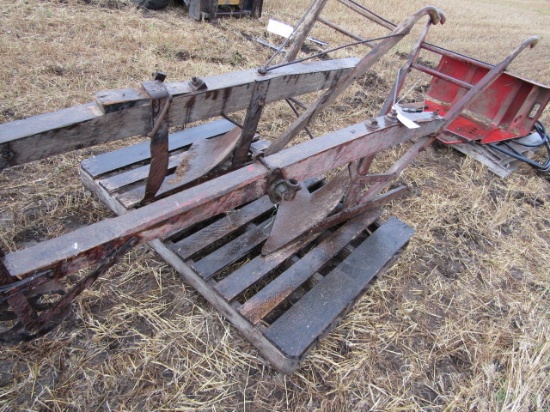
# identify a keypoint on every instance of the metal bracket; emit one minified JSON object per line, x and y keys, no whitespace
{"x":391,"y":117}
{"x":280,"y":188}
{"x":197,"y":84}
{"x":5,"y":155}
{"x":158,"y":135}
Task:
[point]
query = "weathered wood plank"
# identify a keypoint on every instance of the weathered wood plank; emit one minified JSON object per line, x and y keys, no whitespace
{"x":230,"y":93}
{"x":172,"y":183}
{"x":251,"y":272}
{"x":87,"y":245}
{"x":257,"y":307}
{"x":232,"y":251}
{"x":197,"y":241}
{"x":337,"y":148}
{"x":299,"y":328}
{"x":118,"y":114}
{"x":90,"y":244}
{"x":118,"y":159}
{"x":117,"y":182}
{"x":71,"y":129}
{"x":121,"y":180}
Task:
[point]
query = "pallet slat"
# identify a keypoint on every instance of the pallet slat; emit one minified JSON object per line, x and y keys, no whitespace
{"x":231,"y":252}
{"x":298,"y":328}
{"x":199,"y":240}
{"x":118,"y":159}
{"x":257,"y":307}
{"x":172,"y":183}
{"x":115,"y":183}
{"x":248,"y":274}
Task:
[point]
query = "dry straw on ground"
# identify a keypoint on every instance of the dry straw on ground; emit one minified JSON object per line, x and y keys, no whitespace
{"x":459,"y":323}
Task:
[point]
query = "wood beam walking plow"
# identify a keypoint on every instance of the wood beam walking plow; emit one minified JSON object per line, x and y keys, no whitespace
{"x":305,"y":246}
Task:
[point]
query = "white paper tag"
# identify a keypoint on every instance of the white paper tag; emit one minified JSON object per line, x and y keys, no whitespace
{"x":279,"y":28}
{"x":405,"y":121}
{"x":285,"y":30}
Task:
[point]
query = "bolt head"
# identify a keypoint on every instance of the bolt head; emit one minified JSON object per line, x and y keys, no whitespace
{"x":159,"y":76}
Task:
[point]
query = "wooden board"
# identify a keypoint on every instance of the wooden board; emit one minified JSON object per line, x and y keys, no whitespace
{"x":299,"y":327}
{"x":118,"y":114}
{"x":500,"y":164}
{"x":82,"y":247}
{"x":258,"y":294}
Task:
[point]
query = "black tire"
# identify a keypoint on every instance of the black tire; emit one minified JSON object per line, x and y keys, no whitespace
{"x":151,"y":4}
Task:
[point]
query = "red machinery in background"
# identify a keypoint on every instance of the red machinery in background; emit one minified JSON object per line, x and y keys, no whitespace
{"x":502,"y":122}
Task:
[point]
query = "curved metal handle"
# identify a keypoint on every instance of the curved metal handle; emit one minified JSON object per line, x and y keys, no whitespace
{"x":436,"y":16}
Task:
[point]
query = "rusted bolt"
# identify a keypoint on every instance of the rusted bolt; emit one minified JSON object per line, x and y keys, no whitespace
{"x":159,"y":76}
{"x":392,"y":116}
{"x":372,"y":123}
{"x":197,"y":83}
{"x":262,"y":71}
{"x":283,"y":190}
{"x":280,"y":190}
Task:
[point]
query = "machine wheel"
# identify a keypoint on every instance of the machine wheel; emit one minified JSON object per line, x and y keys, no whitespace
{"x":151,"y":4}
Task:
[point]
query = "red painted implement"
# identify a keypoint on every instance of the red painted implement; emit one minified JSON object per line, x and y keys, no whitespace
{"x":508,"y":109}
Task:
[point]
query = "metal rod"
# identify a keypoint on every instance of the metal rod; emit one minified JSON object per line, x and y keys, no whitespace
{"x":266,"y":69}
{"x":443,"y":76}
{"x":402,"y":73}
{"x":362,"y":10}
{"x":298,"y":102}
{"x":460,"y":57}
{"x":226,"y":117}
{"x":342,"y":30}
{"x":291,"y":104}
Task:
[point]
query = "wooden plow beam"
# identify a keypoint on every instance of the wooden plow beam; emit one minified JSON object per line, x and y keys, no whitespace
{"x":119,"y":114}
{"x":44,"y":264}
{"x":85,"y":246}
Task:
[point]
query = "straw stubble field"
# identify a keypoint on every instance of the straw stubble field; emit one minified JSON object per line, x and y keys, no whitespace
{"x":459,"y":323}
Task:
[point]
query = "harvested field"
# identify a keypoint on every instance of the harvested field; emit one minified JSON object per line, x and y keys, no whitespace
{"x":460,"y":322}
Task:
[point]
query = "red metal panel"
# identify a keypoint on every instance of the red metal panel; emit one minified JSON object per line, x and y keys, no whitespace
{"x":507,"y":109}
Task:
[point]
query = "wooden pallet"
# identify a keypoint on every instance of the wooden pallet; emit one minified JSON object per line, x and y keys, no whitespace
{"x":499,"y":163}
{"x":283,"y":303}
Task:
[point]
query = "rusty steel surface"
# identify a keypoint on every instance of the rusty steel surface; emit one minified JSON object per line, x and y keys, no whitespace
{"x":35,"y":320}
{"x":297,"y":215}
{"x":204,"y":156}
{"x":161,"y":100}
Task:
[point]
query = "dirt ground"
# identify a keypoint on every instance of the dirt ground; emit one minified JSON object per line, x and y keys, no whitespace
{"x":460,"y":322}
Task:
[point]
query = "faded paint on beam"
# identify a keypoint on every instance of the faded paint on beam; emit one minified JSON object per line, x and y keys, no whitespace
{"x":118,"y":114}
{"x":227,"y":94}
{"x":87,"y":245}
